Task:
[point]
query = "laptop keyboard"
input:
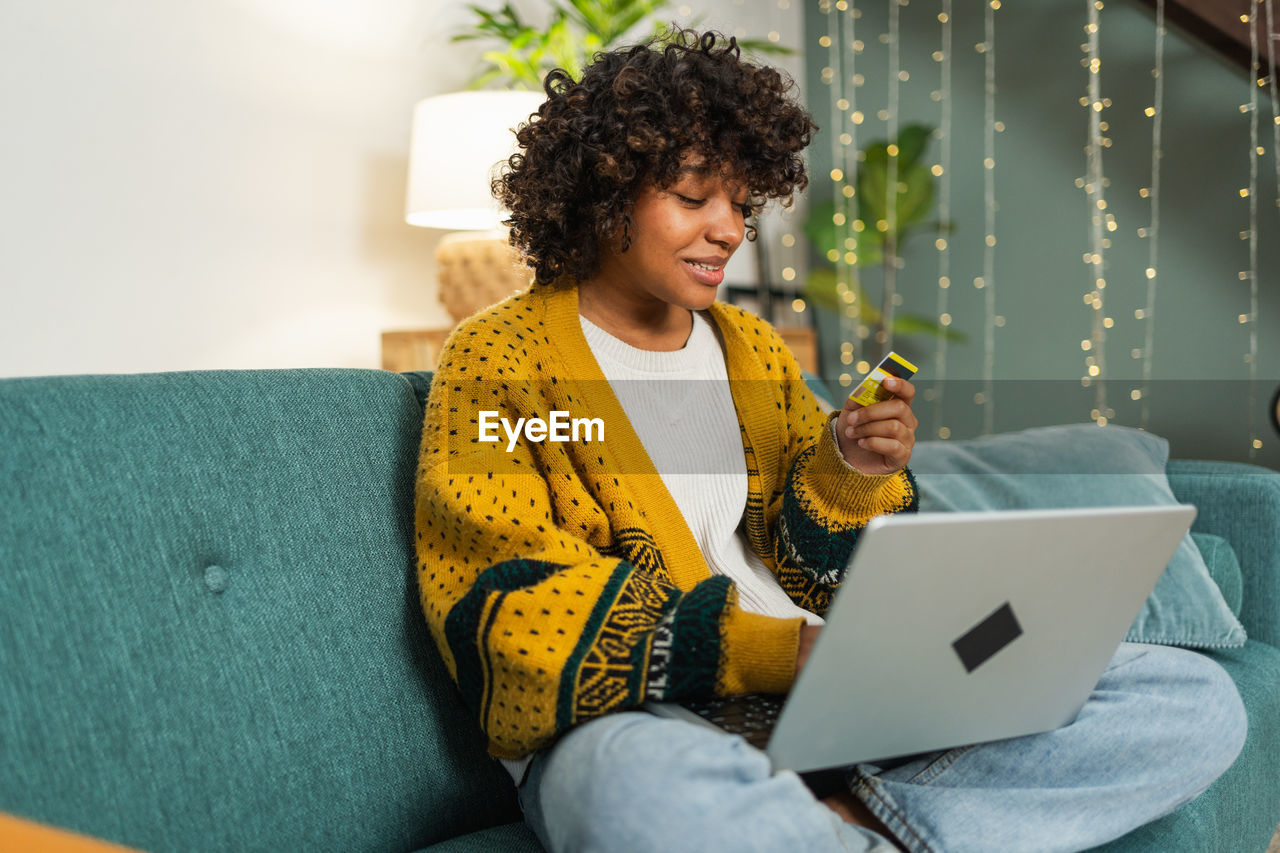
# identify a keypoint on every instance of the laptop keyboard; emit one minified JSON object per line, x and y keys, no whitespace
{"x":752,"y":715}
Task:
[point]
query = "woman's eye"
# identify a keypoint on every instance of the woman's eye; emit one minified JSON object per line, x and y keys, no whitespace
{"x":687,"y":200}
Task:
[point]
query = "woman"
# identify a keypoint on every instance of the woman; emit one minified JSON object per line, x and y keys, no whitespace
{"x":687,"y":541}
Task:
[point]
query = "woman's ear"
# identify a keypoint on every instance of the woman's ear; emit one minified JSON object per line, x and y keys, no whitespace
{"x":614,"y":236}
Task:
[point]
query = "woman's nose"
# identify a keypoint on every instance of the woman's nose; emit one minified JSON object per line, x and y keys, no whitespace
{"x":726,"y":226}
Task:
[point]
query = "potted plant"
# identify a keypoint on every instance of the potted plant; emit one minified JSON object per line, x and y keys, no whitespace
{"x":880,"y":231}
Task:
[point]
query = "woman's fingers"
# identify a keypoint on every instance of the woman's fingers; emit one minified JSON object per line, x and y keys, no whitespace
{"x":889,"y":411}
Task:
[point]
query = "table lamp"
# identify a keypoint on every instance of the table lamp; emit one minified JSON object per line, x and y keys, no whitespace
{"x":458,"y":141}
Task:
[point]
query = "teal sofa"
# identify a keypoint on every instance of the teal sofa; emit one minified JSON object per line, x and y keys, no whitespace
{"x":210,"y":636}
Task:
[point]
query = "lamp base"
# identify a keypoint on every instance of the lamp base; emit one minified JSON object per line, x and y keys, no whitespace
{"x":477,"y":269}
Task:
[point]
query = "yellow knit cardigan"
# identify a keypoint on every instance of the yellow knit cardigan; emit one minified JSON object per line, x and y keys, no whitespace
{"x":559,"y":580}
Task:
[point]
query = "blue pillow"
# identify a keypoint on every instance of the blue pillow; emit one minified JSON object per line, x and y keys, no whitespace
{"x":1075,"y":466}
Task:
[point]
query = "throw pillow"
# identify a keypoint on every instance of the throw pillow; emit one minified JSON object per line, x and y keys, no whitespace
{"x":1075,"y":466}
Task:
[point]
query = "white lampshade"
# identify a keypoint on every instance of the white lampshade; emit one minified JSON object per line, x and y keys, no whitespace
{"x":458,"y":139}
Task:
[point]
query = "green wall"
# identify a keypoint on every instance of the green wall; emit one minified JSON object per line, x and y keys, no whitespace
{"x":1200,"y":396}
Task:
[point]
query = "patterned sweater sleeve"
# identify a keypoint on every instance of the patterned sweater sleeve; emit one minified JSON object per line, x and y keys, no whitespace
{"x":541,"y":628}
{"x":823,"y":503}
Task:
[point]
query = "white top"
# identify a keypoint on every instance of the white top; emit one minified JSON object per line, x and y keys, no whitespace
{"x":680,"y":407}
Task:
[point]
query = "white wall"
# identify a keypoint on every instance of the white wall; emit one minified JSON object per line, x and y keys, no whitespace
{"x":221,"y":184}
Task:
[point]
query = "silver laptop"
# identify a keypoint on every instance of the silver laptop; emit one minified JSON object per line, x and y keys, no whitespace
{"x":959,"y":628}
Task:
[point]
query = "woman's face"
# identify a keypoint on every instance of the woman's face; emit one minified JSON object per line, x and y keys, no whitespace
{"x":681,"y":238}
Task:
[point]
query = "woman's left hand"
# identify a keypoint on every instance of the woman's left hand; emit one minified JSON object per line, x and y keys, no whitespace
{"x":878,"y":439}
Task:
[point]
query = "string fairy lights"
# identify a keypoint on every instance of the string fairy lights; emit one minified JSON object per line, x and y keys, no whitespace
{"x":1255,"y":443}
{"x":988,"y":49}
{"x":942,"y":170}
{"x":1152,"y":233}
{"x":849,"y":191}
{"x":1251,"y":195}
{"x":1272,"y":37}
{"x":894,"y":23}
{"x":1095,"y":191}
{"x":890,"y":223}
{"x":842,"y":79}
{"x":844,"y":178}
{"x":788,"y":262}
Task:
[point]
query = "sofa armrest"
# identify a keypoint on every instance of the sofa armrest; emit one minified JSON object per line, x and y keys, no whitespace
{"x":1240,"y":503}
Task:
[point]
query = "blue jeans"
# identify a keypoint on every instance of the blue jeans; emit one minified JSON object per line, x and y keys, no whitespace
{"x":1159,"y":728}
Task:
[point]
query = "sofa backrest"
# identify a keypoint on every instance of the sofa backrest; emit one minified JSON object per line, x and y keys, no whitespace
{"x":209,"y":630}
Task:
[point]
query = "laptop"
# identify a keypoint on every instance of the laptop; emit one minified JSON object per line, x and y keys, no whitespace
{"x":959,"y":628}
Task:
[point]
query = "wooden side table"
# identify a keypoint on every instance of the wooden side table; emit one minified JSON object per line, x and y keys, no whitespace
{"x":803,"y":343}
{"x":412,"y":349}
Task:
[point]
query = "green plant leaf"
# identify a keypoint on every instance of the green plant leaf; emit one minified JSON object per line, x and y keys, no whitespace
{"x":759,"y":47}
{"x":870,"y":248}
{"x":873,"y":177}
{"x":825,"y":236}
{"x":560,"y":47}
{"x":611,"y":20}
{"x":523,"y":70}
{"x":819,"y":228}
{"x":914,"y":196}
{"x":822,"y":289}
{"x":505,"y":24}
{"x":912,"y":142}
{"x":914,"y":324}
{"x":915,"y":199}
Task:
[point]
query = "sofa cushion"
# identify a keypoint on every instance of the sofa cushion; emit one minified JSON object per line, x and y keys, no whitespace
{"x":209,"y":628}
{"x":1220,"y":559}
{"x":1083,"y":465}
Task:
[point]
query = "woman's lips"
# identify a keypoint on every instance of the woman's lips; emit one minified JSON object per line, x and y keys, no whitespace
{"x":706,"y":273}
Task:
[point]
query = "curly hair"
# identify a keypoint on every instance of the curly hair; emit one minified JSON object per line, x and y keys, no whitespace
{"x":626,"y":125}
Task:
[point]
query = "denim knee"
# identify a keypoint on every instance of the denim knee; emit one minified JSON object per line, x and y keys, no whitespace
{"x":1212,"y":722}
{"x":1223,"y":721}
{"x":630,"y":781}
{"x":635,"y":782}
